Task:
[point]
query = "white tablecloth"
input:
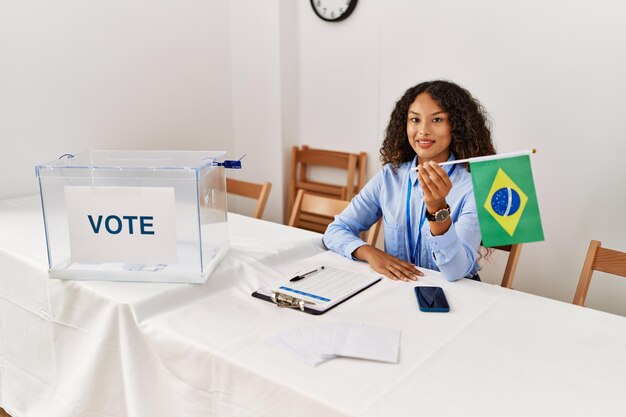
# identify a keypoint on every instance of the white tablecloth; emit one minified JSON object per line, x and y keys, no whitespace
{"x":81,"y":348}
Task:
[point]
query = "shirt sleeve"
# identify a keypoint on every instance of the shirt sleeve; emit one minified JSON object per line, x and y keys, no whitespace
{"x":455,"y":252}
{"x":342,"y":235}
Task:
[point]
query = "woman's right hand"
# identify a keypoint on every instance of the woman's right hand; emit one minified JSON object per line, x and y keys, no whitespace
{"x":390,"y":266}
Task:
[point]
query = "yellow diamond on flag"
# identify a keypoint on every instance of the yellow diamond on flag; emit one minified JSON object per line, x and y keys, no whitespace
{"x":506,"y":202}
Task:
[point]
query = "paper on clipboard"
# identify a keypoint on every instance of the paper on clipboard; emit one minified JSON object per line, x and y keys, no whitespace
{"x":320,"y":291}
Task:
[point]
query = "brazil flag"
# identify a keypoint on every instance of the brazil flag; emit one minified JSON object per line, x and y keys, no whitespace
{"x":506,"y":201}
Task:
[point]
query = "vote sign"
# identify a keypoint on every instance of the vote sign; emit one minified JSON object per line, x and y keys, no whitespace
{"x":121,"y":224}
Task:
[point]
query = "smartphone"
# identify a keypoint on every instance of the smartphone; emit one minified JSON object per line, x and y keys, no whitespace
{"x":432,"y":299}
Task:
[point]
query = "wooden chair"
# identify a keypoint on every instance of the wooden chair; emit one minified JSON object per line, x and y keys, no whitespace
{"x":598,"y":259}
{"x":511,"y":264}
{"x":304,"y":158}
{"x":259,"y":192}
{"x":314,"y":212}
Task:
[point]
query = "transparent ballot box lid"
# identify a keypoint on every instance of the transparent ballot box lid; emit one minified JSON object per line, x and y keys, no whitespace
{"x":157,"y":216}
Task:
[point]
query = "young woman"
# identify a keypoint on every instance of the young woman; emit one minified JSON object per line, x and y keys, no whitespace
{"x":429,"y":214}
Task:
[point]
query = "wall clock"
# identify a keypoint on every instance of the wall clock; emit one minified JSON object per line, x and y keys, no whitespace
{"x":333,"y":10}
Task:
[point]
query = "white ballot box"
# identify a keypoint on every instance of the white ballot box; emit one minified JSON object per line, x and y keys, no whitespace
{"x":157,"y":216}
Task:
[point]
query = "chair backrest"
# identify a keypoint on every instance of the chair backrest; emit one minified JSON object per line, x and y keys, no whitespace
{"x":598,"y":259}
{"x":511,"y":264}
{"x":259,"y":192}
{"x":304,"y":158}
{"x":315,"y":212}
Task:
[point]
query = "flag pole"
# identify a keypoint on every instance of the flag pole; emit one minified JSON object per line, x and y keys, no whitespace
{"x":487,"y":158}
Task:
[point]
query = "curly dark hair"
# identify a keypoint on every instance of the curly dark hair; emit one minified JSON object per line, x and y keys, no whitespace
{"x":469,"y":126}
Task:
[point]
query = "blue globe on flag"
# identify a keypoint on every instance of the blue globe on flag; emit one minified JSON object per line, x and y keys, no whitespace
{"x":505,"y":201}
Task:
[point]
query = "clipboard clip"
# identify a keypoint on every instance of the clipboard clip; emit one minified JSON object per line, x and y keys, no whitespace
{"x":287,"y":301}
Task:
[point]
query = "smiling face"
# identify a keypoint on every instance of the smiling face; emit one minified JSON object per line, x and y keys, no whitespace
{"x":428,"y":130}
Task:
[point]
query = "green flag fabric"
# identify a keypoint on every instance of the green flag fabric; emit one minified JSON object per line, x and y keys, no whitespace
{"x":506,"y":201}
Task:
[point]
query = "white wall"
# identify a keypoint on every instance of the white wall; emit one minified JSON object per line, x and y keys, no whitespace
{"x":550,"y":74}
{"x":339,"y":81}
{"x":263,"y":96}
{"x":118,"y":74}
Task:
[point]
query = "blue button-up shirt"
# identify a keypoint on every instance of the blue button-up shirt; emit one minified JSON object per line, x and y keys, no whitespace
{"x":454,"y":253}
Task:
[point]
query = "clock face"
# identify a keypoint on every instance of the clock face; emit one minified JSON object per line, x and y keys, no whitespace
{"x":333,"y":10}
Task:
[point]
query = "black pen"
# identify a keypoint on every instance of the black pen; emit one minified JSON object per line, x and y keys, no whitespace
{"x":301,"y":276}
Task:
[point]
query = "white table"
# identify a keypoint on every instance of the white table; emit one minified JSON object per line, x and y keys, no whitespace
{"x":81,"y":348}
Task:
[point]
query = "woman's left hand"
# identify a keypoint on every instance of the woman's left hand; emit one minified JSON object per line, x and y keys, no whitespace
{"x":436,"y":185}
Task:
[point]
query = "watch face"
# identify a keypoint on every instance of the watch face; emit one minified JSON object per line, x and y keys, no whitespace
{"x":333,"y":10}
{"x":442,"y":215}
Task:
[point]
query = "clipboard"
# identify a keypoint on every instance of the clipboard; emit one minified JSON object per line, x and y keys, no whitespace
{"x":317,"y":291}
